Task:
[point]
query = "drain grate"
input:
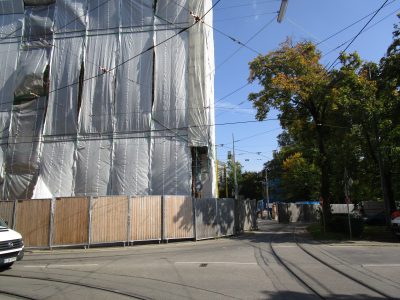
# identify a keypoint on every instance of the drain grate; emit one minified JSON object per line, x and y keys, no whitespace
{"x":203,"y":265}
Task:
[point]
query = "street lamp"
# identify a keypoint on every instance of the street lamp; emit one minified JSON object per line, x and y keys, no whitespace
{"x":282,"y":10}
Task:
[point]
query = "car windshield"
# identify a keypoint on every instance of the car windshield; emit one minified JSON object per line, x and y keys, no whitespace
{"x":2,"y":223}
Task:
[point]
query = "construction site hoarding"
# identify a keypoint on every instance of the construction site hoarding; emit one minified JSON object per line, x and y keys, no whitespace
{"x":145,"y":215}
{"x":32,"y":219}
{"x":108,"y":219}
{"x":70,"y":221}
{"x":177,"y":217}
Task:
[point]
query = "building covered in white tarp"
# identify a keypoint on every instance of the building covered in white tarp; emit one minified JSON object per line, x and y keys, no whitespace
{"x":106,"y":97}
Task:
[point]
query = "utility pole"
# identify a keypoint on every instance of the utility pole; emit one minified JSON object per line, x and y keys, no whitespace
{"x":226,"y":182}
{"x":234,"y":169}
{"x":267,"y":192}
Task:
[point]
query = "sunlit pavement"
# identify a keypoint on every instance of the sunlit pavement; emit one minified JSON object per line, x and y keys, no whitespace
{"x":242,"y":267}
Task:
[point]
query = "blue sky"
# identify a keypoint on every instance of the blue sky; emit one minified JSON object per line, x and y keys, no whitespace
{"x":304,"y":20}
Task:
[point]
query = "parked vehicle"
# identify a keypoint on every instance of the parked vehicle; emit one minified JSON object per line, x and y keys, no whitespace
{"x":395,"y":223}
{"x":11,"y":245}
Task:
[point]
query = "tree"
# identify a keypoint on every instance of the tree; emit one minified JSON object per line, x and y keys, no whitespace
{"x":300,"y":178}
{"x":368,"y":96}
{"x":295,"y":83}
{"x":251,"y":185}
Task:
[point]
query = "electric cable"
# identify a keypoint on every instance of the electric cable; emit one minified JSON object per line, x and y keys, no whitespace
{"x":233,"y":39}
{"x":139,"y":54}
{"x":249,"y":4}
{"x":351,"y":25}
{"x":366,"y":29}
{"x":244,"y":17}
{"x":358,"y":34}
{"x":58,"y":137}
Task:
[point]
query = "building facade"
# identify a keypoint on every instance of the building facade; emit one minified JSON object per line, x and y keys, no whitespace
{"x":106,"y":98}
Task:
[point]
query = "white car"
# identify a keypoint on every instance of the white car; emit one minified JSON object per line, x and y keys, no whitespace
{"x":11,"y":245}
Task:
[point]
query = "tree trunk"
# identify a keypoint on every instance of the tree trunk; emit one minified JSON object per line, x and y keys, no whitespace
{"x":325,"y":171}
{"x":386,"y":185}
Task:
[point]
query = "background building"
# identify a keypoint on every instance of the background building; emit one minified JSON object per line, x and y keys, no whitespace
{"x":106,"y":98}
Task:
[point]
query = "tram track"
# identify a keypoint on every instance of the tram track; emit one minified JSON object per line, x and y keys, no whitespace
{"x":15,"y":295}
{"x":72,"y":283}
{"x":311,"y":285}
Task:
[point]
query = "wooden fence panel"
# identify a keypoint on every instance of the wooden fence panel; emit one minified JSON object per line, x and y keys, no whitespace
{"x":178,"y":217}
{"x":145,"y":215}
{"x":226,"y":216}
{"x":109,"y":221}
{"x":206,"y":218}
{"x":33,"y":221}
{"x":71,"y":221}
{"x":245,"y":215}
{"x":7,"y":212}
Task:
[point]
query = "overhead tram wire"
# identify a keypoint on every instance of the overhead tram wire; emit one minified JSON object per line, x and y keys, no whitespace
{"x":244,"y":17}
{"x":235,"y":52}
{"x":241,"y":46}
{"x":366,"y":29}
{"x":260,"y":153}
{"x":351,"y":25}
{"x":235,"y":40}
{"x":249,"y":4}
{"x":358,"y":34}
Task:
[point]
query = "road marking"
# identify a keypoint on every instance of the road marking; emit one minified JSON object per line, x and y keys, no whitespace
{"x":61,"y":266}
{"x":381,"y":265}
{"x":215,"y":262}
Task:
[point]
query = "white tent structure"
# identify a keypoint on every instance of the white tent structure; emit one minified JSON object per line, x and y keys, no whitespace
{"x":106,"y":97}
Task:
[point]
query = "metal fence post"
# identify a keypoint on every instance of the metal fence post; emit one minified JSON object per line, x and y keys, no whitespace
{"x":14,"y":222}
{"x":163,"y":233}
{"x":218,"y":218}
{"x":194,"y":219}
{"x":51,"y":225}
{"x":129,"y":221}
{"x":90,"y":221}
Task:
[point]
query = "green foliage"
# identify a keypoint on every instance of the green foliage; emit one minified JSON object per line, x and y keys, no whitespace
{"x":300,"y":179}
{"x":340,"y":224}
{"x":251,"y":185}
{"x":333,"y":120}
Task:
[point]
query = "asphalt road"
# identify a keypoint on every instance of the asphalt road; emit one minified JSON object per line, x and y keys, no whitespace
{"x":276,"y":262}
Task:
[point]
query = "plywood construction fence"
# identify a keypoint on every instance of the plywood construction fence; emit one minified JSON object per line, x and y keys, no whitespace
{"x":206,"y":218}
{"x":33,"y":221}
{"x":178,"y":217}
{"x":145,"y":218}
{"x":71,"y":221}
{"x":245,"y":215}
{"x":109,"y":219}
{"x":226,"y":216}
{"x":214,"y":217}
{"x":7,"y":212}
{"x":85,"y":221}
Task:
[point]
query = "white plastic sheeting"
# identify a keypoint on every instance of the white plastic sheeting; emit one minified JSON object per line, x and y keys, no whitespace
{"x":105,"y":97}
{"x":11,"y":20}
